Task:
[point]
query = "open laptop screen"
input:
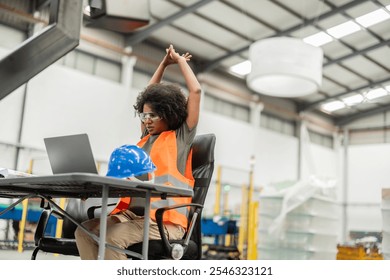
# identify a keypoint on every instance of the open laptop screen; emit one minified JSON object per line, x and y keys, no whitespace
{"x":70,"y":153}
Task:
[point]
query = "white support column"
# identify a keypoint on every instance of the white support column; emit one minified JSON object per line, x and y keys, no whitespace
{"x":128,"y":63}
{"x":256,"y":108}
{"x":345,"y":198}
{"x":300,"y":149}
{"x":203,"y":86}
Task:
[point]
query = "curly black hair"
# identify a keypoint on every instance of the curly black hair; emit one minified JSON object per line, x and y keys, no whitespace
{"x":167,"y":101}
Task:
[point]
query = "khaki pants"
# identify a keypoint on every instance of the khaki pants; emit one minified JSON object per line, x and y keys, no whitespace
{"x":123,"y":230}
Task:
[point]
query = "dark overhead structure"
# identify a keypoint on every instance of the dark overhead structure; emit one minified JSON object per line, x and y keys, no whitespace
{"x":44,"y":48}
{"x":123,"y":16}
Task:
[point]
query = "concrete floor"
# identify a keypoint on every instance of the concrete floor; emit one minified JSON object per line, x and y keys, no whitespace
{"x":26,"y":255}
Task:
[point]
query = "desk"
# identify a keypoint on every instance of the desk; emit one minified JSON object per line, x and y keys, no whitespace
{"x":83,"y":186}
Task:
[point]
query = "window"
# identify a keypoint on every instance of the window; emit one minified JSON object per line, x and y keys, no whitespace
{"x":93,"y":65}
{"x":223,"y":107}
{"x":274,"y":123}
{"x":321,"y":139}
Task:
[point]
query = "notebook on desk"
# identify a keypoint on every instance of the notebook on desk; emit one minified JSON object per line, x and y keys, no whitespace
{"x":70,"y":153}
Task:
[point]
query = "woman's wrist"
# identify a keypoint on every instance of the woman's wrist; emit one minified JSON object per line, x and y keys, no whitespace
{"x":182,"y":59}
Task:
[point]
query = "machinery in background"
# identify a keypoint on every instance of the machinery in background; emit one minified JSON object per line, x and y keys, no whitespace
{"x":227,"y":234}
{"x":222,"y":235}
{"x":365,"y":246}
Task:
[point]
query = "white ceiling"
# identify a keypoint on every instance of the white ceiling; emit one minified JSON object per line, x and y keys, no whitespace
{"x":219,"y":34}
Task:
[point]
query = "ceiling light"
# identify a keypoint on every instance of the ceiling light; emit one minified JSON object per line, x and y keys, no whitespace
{"x":242,"y":69}
{"x":318,"y":39}
{"x":375,"y":93}
{"x":387,"y":88}
{"x":343,"y":29}
{"x":373,"y":18}
{"x":285,"y":67}
{"x":333,"y":106}
{"x":353,"y":100}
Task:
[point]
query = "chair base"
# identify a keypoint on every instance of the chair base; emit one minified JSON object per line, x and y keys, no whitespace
{"x":157,"y":251}
{"x":54,"y":245}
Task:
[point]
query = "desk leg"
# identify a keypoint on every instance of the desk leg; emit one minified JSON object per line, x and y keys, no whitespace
{"x":103,"y":224}
{"x":145,"y":243}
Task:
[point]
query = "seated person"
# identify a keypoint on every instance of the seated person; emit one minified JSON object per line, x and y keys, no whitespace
{"x":168,"y":125}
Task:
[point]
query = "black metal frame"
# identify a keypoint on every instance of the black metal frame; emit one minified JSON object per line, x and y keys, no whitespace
{"x":44,"y":48}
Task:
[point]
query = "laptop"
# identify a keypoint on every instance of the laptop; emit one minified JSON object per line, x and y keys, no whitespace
{"x":70,"y":153}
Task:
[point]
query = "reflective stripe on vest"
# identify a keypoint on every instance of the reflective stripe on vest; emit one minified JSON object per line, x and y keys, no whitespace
{"x":164,"y":156}
{"x":169,"y":202}
{"x":170,"y":180}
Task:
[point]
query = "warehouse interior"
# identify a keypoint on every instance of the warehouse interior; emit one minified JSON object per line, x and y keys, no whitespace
{"x":300,"y":176}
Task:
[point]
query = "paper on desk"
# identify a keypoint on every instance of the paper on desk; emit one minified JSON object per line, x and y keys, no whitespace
{"x":9,"y":173}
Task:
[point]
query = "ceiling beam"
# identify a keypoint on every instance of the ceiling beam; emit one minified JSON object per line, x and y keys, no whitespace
{"x":341,"y":41}
{"x":358,"y":52}
{"x":139,"y":36}
{"x":342,"y":121}
{"x":306,"y":22}
{"x":41,"y":4}
{"x":354,"y":50}
{"x":313,"y":105}
{"x":22,"y":15}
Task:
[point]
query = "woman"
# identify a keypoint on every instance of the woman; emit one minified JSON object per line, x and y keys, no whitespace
{"x":168,"y":125}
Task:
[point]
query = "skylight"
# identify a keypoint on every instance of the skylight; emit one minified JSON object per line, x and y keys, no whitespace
{"x":375,"y":93}
{"x":333,"y":106}
{"x":321,"y":38}
{"x":356,"y":99}
{"x":242,"y":68}
{"x":373,"y":18}
{"x":343,"y":29}
{"x":353,"y":99}
{"x":318,"y":39}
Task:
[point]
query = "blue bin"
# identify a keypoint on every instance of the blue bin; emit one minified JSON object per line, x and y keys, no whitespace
{"x":209,"y":227}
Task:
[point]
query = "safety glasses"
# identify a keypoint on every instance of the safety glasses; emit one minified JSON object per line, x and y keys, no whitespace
{"x":152,"y":116}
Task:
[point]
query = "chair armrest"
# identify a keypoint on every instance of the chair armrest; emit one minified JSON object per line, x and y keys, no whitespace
{"x":159,"y":219}
{"x":91,"y":210}
{"x":57,"y":214}
{"x":43,"y":220}
{"x":41,"y":225}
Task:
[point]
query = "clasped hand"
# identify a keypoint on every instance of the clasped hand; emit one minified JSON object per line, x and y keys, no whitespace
{"x":172,"y":57}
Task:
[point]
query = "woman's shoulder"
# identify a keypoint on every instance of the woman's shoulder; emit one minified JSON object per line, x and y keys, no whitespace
{"x":184,"y":134}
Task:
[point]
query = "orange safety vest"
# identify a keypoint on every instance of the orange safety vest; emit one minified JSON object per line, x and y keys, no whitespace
{"x":164,"y":156}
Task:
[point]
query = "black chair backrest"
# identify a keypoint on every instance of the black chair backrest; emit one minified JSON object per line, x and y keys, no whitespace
{"x":202,"y":171}
{"x":202,"y":165}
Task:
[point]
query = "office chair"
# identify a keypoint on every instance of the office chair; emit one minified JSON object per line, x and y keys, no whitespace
{"x":66,"y":245}
{"x":189,"y":247}
{"x":191,"y":243}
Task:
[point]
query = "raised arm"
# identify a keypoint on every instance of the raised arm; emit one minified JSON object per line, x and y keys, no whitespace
{"x":159,"y":73}
{"x":193,"y":86}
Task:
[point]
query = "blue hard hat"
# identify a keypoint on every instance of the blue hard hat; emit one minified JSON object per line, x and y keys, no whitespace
{"x":129,"y":161}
